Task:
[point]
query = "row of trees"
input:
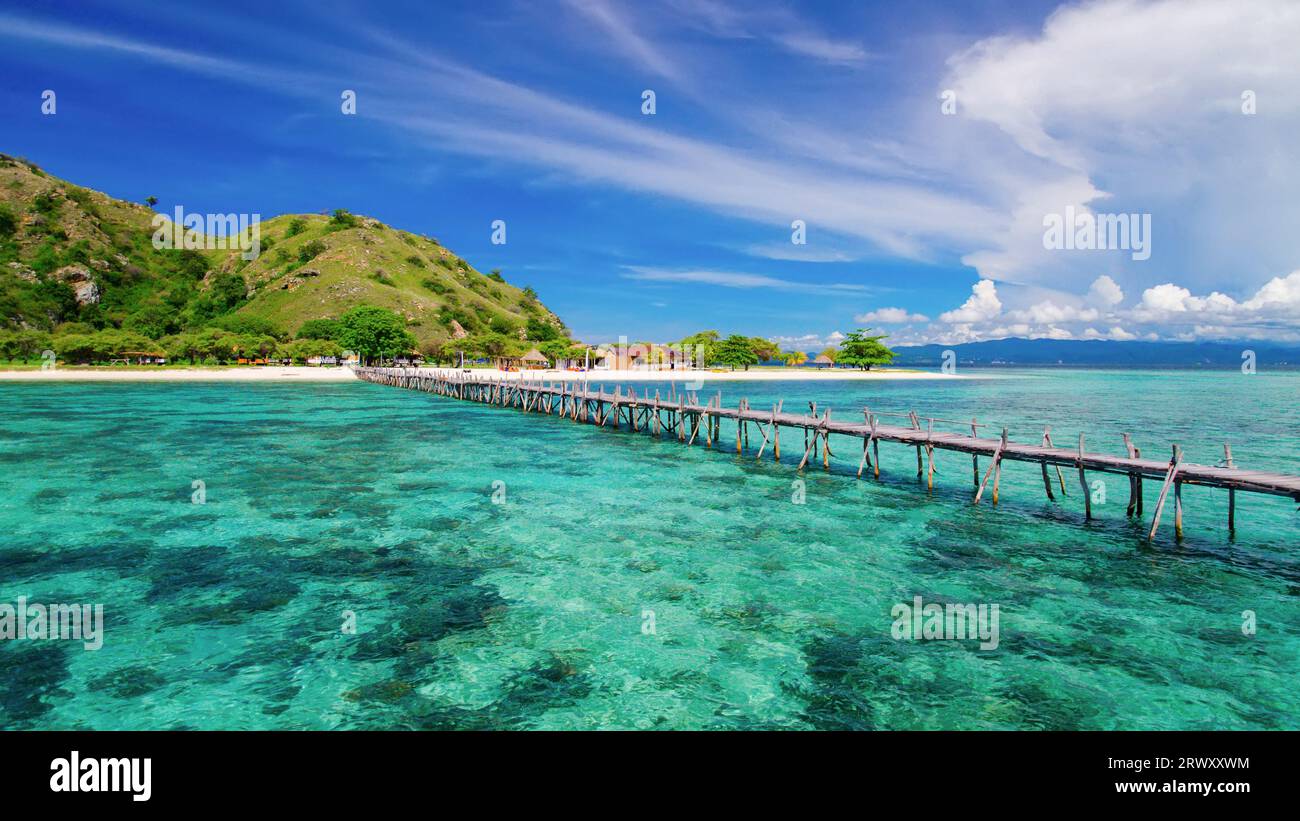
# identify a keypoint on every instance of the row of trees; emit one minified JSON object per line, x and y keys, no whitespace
{"x":858,"y":349}
{"x":372,"y":333}
{"x":211,"y":346}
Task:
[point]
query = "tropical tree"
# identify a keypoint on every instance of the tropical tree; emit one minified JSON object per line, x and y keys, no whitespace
{"x":151,"y":201}
{"x":101,"y":346}
{"x":764,"y":349}
{"x":300,"y":350}
{"x":23,"y":345}
{"x":319,"y":329}
{"x":794,"y":359}
{"x":372,"y":332}
{"x":490,"y":344}
{"x":701,"y":347}
{"x":557,"y":349}
{"x":863,"y":351}
{"x":735,"y":350}
{"x":154,"y":321}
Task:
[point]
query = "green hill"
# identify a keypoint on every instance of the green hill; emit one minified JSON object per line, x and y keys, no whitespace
{"x":76,"y":262}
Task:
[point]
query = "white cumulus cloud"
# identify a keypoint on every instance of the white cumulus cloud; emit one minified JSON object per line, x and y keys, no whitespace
{"x":891,"y":316}
{"x":982,"y":305}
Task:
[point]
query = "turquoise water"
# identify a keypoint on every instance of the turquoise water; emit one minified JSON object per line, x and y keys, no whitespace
{"x":533,"y":613}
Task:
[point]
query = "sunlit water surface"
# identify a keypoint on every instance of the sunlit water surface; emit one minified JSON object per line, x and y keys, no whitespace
{"x":537,"y":613}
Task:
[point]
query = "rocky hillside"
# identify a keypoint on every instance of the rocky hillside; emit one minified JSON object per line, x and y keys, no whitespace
{"x":76,"y":258}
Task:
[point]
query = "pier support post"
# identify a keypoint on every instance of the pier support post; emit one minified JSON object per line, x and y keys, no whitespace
{"x":826,"y":440}
{"x":1047,"y":483}
{"x":916,"y":425}
{"x":1232,"y":492}
{"x":1060,"y":477}
{"x":1132,"y":479}
{"x":1178,"y":510}
{"x":875,"y":448}
{"x":1083,"y":483}
{"x":997,"y":466}
{"x":929,"y":454}
{"x":866,"y":444}
{"x":776,"y":434}
{"x":1164,"y":491}
{"x":997,"y":458}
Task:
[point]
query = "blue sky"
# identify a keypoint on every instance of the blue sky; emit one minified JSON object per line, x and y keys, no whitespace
{"x":921,"y":222}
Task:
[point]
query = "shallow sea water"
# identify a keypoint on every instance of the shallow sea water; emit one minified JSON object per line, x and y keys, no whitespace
{"x":334,"y":498}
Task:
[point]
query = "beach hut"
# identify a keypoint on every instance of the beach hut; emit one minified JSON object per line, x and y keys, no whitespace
{"x":598,"y":359}
{"x":534,"y":359}
{"x":142,"y":357}
{"x":824,"y":361}
{"x":649,"y":356}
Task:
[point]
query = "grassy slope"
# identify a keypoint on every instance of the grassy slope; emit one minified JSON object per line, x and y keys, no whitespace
{"x":372,"y":264}
{"x":81,"y":226}
{"x":368,"y":264}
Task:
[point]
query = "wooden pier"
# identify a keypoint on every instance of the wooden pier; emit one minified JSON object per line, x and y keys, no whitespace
{"x":679,"y":415}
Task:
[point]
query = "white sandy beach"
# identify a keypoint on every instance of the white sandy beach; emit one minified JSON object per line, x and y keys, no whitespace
{"x":234,"y":374}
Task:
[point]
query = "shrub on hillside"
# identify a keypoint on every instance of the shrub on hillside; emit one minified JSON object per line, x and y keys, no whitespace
{"x":311,"y":250}
{"x":342,"y":220}
{"x":153,"y":321}
{"x":248,"y":325}
{"x":8,"y":222}
{"x":46,"y":204}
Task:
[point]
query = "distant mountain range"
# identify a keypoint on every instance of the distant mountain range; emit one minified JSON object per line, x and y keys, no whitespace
{"x":1101,"y":353}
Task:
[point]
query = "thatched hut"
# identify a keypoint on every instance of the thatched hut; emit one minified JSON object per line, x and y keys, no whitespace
{"x":534,"y":359}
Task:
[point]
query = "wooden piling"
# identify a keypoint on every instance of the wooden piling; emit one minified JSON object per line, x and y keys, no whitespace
{"x":1060,"y":478}
{"x":1047,"y":483}
{"x":1083,"y":483}
{"x":929,"y":454}
{"x":1164,"y":491}
{"x":997,"y":458}
{"x":1232,"y":492}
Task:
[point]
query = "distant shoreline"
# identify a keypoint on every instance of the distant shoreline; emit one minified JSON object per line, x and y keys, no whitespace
{"x":755,"y":374}
{"x":311,"y":374}
{"x":216,"y":374}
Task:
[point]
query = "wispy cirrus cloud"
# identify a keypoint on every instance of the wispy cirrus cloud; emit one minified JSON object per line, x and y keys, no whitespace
{"x":787,"y":30}
{"x":76,"y":37}
{"x":823,"y":48}
{"x":625,"y":37}
{"x":734,"y":279}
